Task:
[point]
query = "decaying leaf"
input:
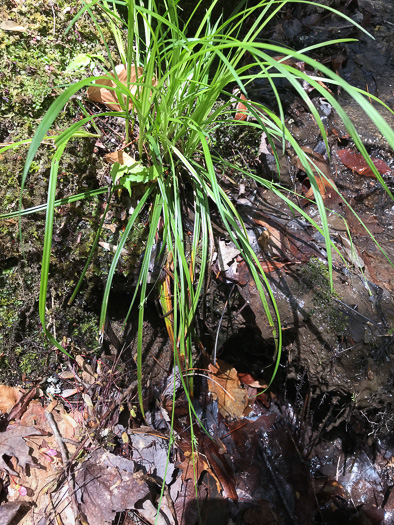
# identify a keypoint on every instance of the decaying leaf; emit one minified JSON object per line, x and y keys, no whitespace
{"x":66,"y":423}
{"x":150,"y":453}
{"x":87,"y":371}
{"x":357,"y":163}
{"x":12,"y":444}
{"x":263,"y":148}
{"x":109,"y":97}
{"x":149,"y":513}
{"x":325,"y":184}
{"x":22,"y":405}
{"x":9,"y":396}
{"x":119,"y":156}
{"x":183,"y":494}
{"x":224,"y":383}
{"x":241,"y":110}
{"x":67,"y":374}
{"x":351,"y":252}
{"x":274,"y":265}
{"x":193,"y":466}
{"x":112,"y":248}
{"x":10,"y":25}
{"x":106,"y":488}
{"x":68,"y":392}
{"x":11,"y":510}
{"x":226,"y":253}
{"x":270,"y":237}
{"x":247,"y":379}
{"x":376,"y":269}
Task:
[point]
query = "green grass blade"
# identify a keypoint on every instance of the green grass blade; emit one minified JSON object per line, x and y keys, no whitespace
{"x":47,"y":248}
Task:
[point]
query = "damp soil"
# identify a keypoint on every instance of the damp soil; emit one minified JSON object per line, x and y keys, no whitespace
{"x":318,"y":448}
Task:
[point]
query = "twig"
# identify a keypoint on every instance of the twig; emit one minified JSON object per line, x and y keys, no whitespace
{"x":54,"y":20}
{"x":64,"y":453}
{"x":220,"y":324}
{"x":104,"y":417}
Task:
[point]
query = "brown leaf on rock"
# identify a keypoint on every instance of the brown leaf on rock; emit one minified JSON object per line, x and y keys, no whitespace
{"x":12,"y":444}
{"x":109,"y":97}
{"x":325,"y":184}
{"x":357,"y":163}
{"x":284,"y":244}
{"x":298,"y":242}
{"x":242,"y":275}
{"x":274,"y":266}
{"x":224,"y":383}
{"x":371,"y":221}
{"x":378,"y":271}
{"x":193,"y":466}
{"x":270,"y":237}
{"x":326,"y":188}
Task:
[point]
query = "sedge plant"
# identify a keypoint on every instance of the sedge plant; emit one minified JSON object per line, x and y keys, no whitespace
{"x":175,"y":94}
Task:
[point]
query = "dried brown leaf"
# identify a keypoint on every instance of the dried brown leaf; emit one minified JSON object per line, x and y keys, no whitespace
{"x":9,"y":396}
{"x":10,"y":25}
{"x":109,"y":97}
{"x":193,"y":466}
{"x":105,"y":489}
{"x":87,"y":371}
{"x":12,"y":444}
{"x":241,"y":110}
{"x":224,"y":383}
{"x":270,"y":237}
{"x":67,"y":374}
{"x":20,"y":408}
{"x":325,"y":184}
{"x":118,"y":156}
{"x":247,"y":379}
{"x":11,"y":510}
{"x":263,"y":148}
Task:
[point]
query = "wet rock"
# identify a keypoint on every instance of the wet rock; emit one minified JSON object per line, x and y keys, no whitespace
{"x":366,"y":128}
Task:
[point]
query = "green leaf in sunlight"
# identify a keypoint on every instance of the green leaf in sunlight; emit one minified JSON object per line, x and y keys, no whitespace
{"x":132,"y":173}
{"x":79,"y":62}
